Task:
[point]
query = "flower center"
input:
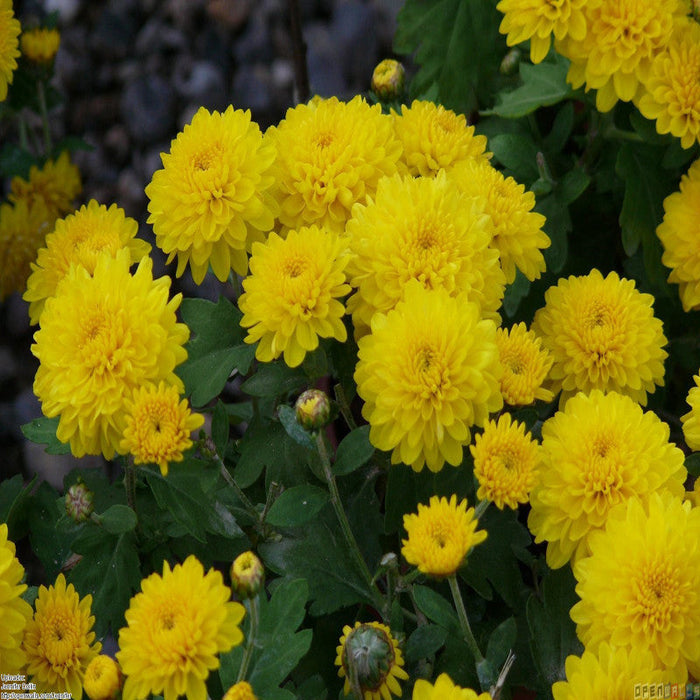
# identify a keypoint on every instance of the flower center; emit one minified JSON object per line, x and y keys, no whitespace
{"x":659,"y":597}
{"x":323,"y":140}
{"x":294,"y":268}
{"x":59,"y":639}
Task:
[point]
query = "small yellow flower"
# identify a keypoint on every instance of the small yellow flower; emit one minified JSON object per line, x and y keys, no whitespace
{"x":444,"y":689}
{"x":240,"y":691}
{"x":313,"y":409}
{"x":40,"y":45}
{"x":103,"y":678}
{"x":388,"y":79}
{"x":247,"y":575}
{"x":440,"y":536}
{"x":691,"y":420}
{"x":10,"y":29}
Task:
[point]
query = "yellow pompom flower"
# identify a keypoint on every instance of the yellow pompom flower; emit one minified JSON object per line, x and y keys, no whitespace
{"x":211,"y":198}
{"x":10,"y":29}
{"x":14,"y":611}
{"x":440,"y":536}
{"x":158,"y":425}
{"x":678,"y":233}
{"x":602,"y":334}
{"x":516,"y":229}
{"x":100,"y":338}
{"x":506,"y":462}
{"x":59,"y":641}
{"x":330,"y":155}
{"x":427,"y":372}
{"x":56,"y":184}
{"x":444,"y":689}
{"x":435,"y":138}
{"x":691,"y":420}
{"x":422,"y":229}
{"x":176,"y":627}
{"x":103,"y":678}
{"x":638,"y":588}
{"x":610,"y":674}
{"x":79,"y":239}
{"x":23,"y":231}
{"x":369,"y":654}
{"x":40,"y":45}
{"x":291,"y":297}
{"x":240,"y":691}
{"x":525,"y":365}
{"x":602,"y":450}
{"x":538,"y":20}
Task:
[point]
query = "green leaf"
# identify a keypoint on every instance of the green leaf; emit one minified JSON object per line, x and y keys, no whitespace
{"x":425,"y":641}
{"x":501,"y":641}
{"x":572,"y":185}
{"x":274,"y":379}
{"x":220,"y":428}
{"x":118,"y":519}
{"x":518,"y":153}
{"x":262,"y":446}
{"x":515,"y":293}
{"x":43,"y":432}
{"x":354,"y":451}
{"x":297,"y":505}
{"x":15,"y":161}
{"x":557,"y":227}
{"x":288,"y":418}
{"x":15,"y":498}
{"x":436,"y":608}
{"x":692,"y":464}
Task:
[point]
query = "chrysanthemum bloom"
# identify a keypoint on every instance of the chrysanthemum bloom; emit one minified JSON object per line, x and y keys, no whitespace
{"x":678,"y":233}
{"x":608,"y":675}
{"x":506,"y":462}
{"x":56,"y":184}
{"x":59,"y":641}
{"x":23,"y":230}
{"x":691,"y":420}
{"x":516,"y":229}
{"x":538,"y":20}
{"x":79,"y":239}
{"x":422,"y":229}
{"x":211,"y":198}
{"x":621,"y":41}
{"x":440,"y":536}
{"x":444,"y":689}
{"x":103,"y":678}
{"x":638,"y":588}
{"x":330,"y":154}
{"x":14,"y":611}
{"x":240,"y":691}
{"x":435,"y":138}
{"x":369,"y":653}
{"x":525,"y":365}
{"x":602,"y":450}
{"x":40,"y":45}
{"x":291,"y":297}
{"x":602,"y":334}
{"x":427,"y":372}
{"x":672,"y":90}
{"x":176,"y":627}
{"x":158,"y":425}
{"x":102,"y":337}
{"x":9,"y":45}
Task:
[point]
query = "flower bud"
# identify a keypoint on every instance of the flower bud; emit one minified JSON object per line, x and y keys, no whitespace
{"x":40,"y":45}
{"x":79,"y":504}
{"x":247,"y":575}
{"x":313,"y":409}
{"x":511,"y":62}
{"x":388,"y":79}
{"x":240,"y":691}
{"x":103,"y":678}
{"x":368,"y":656}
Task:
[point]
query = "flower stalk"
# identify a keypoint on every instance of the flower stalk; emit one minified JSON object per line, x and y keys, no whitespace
{"x":464,"y":620}
{"x":250,"y":646}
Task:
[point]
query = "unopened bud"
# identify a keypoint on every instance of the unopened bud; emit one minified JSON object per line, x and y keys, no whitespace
{"x":388,"y":79}
{"x":510,"y":62}
{"x":247,"y":575}
{"x":240,"y":691}
{"x":103,"y":678}
{"x":368,"y":656}
{"x":313,"y":409}
{"x":79,"y":502}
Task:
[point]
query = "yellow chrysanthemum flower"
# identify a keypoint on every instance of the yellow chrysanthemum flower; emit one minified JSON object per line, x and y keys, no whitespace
{"x":516,"y":229}
{"x":444,"y":689}
{"x":435,"y":138}
{"x":23,"y":231}
{"x":610,"y":674}
{"x":14,"y":611}
{"x":638,"y":588}
{"x":525,"y":365}
{"x":422,"y":229}
{"x":103,"y":678}
{"x":158,"y":425}
{"x":602,"y":334}
{"x":40,"y":45}
{"x":101,"y":338}
{"x":176,"y":627}
{"x":211,"y":198}
{"x":79,"y":239}
{"x":691,"y":420}
{"x":427,"y":372}
{"x":370,"y":658}
{"x":602,"y":450}
{"x":330,"y":155}
{"x":240,"y":691}
{"x":58,"y":640}
{"x":10,"y":29}
{"x":538,"y":20}
{"x":506,"y":462}
{"x":678,"y":233}
{"x":291,"y":297}
{"x":440,"y":536}
{"x":56,"y":184}
{"x":622,"y":40}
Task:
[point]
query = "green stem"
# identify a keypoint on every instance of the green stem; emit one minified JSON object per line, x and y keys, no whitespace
{"x":44,"y":118}
{"x":481,"y":506}
{"x":247,"y":503}
{"x":130,"y":484}
{"x":23,"y":140}
{"x":248,"y":654}
{"x":464,"y":621}
{"x":344,"y":405}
